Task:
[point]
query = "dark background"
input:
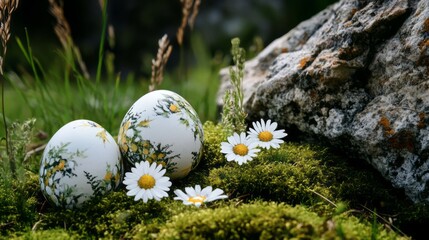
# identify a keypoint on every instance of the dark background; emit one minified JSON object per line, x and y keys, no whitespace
{"x":139,"y":24}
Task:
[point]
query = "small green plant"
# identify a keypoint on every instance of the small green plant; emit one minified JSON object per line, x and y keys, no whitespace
{"x":233,"y":114}
{"x":18,"y":189}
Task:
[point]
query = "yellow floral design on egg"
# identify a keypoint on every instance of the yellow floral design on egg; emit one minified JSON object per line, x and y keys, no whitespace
{"x":102,"y":134}
{"x":76,"y":165}
{"x":108,"y":176}
{"x":122,"y":138}
{"x":162,"y":127}
{"x":174,"y":108}
{"x":144,"y":123}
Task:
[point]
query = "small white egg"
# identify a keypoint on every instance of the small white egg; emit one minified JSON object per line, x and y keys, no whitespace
{"x":80,"y":161}
{"x":162,"y":127}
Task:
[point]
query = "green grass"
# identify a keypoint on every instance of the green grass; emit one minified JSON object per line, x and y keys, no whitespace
{"x":60,"y":94}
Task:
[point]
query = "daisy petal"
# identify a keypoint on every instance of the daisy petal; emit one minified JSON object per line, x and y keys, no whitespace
{"x":154,"y":190}
{"x":195,"y":196}
{"x":206,"y":191}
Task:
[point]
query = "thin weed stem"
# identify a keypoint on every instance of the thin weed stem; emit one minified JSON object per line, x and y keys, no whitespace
{"x":102,"y":40}
{"x":323,"y":197}
{"x":387,"y":222}
{"x":11,"y":162}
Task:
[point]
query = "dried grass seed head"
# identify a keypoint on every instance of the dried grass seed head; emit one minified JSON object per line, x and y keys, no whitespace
{"x":158,"y":64}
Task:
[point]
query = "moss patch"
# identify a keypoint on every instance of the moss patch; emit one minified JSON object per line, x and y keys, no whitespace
{"x":52,"y":234}
{"x":262,"y":220}
{"x":297,"y":191}
{"x":277,"y":175}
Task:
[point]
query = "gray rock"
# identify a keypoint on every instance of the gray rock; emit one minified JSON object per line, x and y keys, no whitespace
{"x":356,"y":75}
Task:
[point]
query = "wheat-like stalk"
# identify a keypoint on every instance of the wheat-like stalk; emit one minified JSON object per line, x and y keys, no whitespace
{"x":7,"y":7}
{"x":63,"y":32}
{"x":158,"y":64}
{"x":194,"y":13}
{"x":102,"y":3}
{"x":62,"y":27}
{"x":188,"y":17}
{"x":186,"y":11}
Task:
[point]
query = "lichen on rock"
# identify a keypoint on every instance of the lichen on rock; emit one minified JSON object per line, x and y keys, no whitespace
{"x":356,"y":77}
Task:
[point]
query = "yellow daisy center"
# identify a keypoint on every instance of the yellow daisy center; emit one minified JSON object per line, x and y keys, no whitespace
{"x":240,"y":149}
{"x":265,"y":136}
{"x":146,"y":181}
{"x":197,"y":199}
{"x":173,"y":108}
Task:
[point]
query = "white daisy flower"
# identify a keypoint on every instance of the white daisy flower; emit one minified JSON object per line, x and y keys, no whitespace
{"x":147,"y":182}
{"x":266,"y":134}
{"x":196,"y":196}
{"x":239,"y":148}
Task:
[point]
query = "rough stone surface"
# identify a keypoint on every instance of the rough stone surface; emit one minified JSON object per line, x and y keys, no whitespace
{"x":356,"y":75}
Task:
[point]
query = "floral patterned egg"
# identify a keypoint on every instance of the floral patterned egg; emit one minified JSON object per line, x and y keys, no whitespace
{"x":162,"y":127}
{"x":80,"y":161}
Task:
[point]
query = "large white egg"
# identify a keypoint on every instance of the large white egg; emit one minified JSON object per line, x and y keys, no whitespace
{"x":80,"y":161}
{"x":162,"y":127}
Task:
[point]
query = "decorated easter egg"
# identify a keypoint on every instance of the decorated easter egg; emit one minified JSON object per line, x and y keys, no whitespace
{"x":162,"y":127}
{"x":80,"y":161}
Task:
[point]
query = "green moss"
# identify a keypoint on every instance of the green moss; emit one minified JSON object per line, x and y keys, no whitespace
{"x":262,"y":220}
{"x":52,"y":234}
{"x":213,"y":136}
{"x":18,"y":203}
{"x":112,"y":215}
{"x":287,"y":174}
{"x":312,"y":175}
{"x":296,"y":191}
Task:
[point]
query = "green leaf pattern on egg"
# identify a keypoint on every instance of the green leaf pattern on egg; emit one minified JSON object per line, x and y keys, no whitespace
{"x":60,"y":163}
{"x":136,"y":149}
{"x":71,"y":169}
{"x":170,"y":105}
{"x":110,"y":180}
{"x":162,"y":127}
